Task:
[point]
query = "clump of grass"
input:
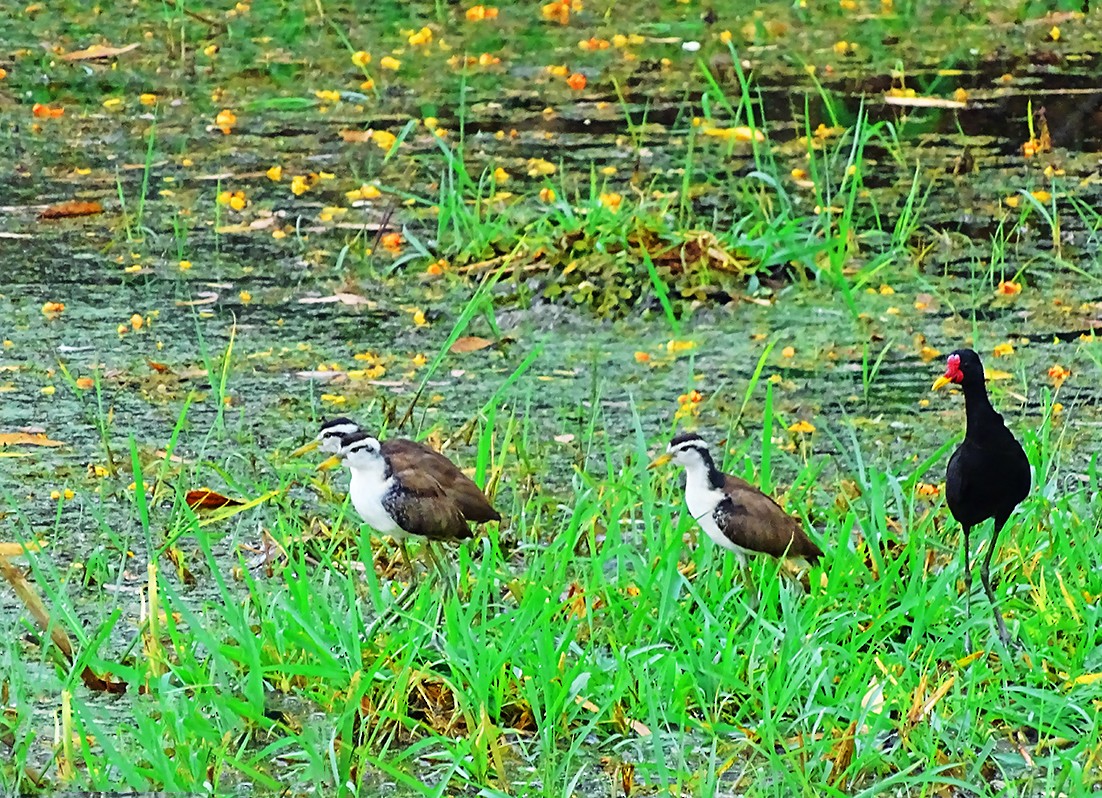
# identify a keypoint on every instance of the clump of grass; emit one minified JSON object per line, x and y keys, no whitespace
{"x":589,"y":628}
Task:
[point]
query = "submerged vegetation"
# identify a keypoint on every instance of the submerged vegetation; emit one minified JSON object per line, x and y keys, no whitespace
{"x":542,"y":237}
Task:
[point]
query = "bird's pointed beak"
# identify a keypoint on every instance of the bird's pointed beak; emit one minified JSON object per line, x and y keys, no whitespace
{"x":659,"y":461}
{"x":941,"y":382}
{"x":329,"y":463}
{"x":306,"y":447}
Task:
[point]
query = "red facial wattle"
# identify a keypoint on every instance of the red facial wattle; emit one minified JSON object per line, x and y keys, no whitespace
{"x":952,"y":370}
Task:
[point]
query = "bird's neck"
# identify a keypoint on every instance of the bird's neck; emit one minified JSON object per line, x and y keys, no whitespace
{"x":978,"y":410}
{"x":704,"y":473}
{"x":372,"y":472}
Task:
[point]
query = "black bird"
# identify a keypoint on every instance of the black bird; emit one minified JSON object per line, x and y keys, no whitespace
{"x":988,"y":474}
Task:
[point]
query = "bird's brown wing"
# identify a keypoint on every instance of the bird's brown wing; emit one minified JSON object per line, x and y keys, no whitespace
{"x":754,"y":521}
{"x":407,"y":455}
{"x":422,"y":507}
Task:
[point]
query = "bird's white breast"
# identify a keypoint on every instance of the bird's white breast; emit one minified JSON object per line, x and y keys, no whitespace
{"x":368,"y":488}
{"x":702,"y":499}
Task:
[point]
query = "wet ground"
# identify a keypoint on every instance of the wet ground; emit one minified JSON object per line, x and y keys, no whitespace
{"x":304,"y":284}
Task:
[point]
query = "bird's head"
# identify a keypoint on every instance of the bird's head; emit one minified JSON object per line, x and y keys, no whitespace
{"x":361,"y":450}
{"x":332,"y":433}
{"x":687,"y":450}
{"x":962,"y":367}
{"x":329,"y":436}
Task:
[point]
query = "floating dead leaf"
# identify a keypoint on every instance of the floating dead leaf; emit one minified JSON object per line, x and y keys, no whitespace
{"x":734,"y":133}
{"x":343,"y":298}
{"x":205,"y":298}
{"x":923,"y":102}
{"x":27,"y":439}
{"x":470,"y":343}
{"x":192,"y":373}
{"x":41,"y":111}
{"x":235,"y":507}
{"x":322,"y":376}
{"x":206,"y":499}
{"x":164,"y":455}
{"x":19,"y":549}
{"x":356,"y":136}
{"x":98,"y":51}
{"x":70,"y":209}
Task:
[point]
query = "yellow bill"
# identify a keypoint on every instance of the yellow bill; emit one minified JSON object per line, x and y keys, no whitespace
{"x":941,"y":382}
{"x":329,"y":462}
{"x":661,"y":460}
{"x":306,"y":447}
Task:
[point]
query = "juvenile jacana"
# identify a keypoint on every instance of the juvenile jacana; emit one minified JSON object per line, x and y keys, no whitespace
{"x":988,"y":474}
{"x":404,"y":488}
{"x":735,"y":514}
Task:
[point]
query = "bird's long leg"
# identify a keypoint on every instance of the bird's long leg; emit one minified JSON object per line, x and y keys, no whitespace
{"x":985,"y":577}
{"x":408,"y":560}
{"x":966,"y":529}
{"x":441,"y":574}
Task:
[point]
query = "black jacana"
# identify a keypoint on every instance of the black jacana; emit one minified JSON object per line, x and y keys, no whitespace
{"x":988,"y":474}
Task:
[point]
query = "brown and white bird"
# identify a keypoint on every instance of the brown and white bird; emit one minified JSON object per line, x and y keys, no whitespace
{"x":736,"y":515}
{"x":403,"y":488}
{"x":988,"y":475}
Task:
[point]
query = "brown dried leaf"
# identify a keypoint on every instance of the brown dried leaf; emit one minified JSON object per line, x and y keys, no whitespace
{"x":841,"y":755}
{"x":263,"y":223}
{"x":342,"y":297}
{"x":67,"y":210}
{"x":923,"y":102}
{"x":27,"y":439}
{"x":206,"y":499}
{"x":98,"y":51}
{"x":356,"y":136}
{"x":37,"y":607}
{"x":939,"y":694}
{"x":470,"y":343}
{"x":322,"y":376}
{"x":19,"y":549}
{"x":206,"y":298}
{"x":177,"y":558}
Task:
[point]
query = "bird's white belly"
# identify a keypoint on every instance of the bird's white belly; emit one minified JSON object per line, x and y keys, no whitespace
{"x":367,"y":493}
{"x":702,"y":502}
